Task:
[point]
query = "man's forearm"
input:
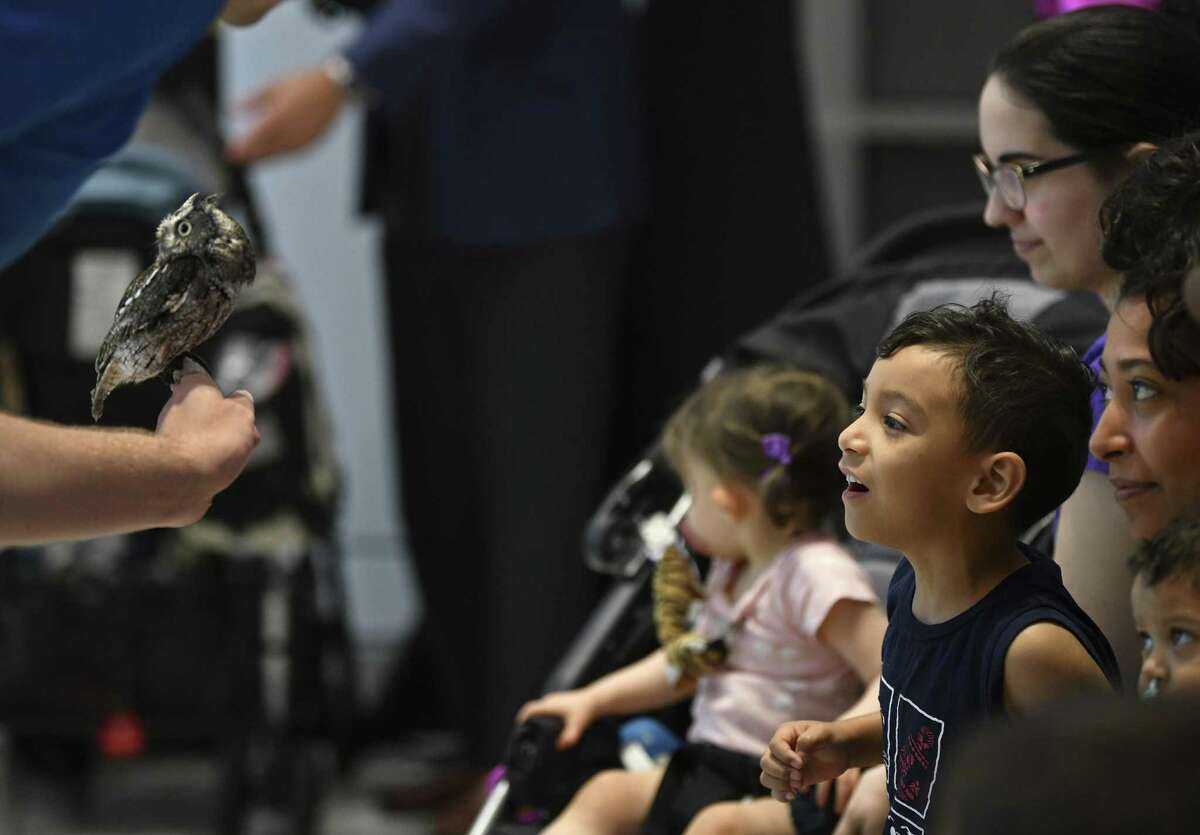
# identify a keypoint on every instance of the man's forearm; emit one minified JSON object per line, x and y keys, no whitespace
{"x":61,"y":482}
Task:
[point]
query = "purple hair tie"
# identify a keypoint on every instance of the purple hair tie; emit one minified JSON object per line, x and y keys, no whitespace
{"x":1051,"y":8}
{"x":776,"y":446}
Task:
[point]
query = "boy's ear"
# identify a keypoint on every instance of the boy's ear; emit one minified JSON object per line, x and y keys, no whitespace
{"x":1000,"y":479}
{"x":731,"y":500}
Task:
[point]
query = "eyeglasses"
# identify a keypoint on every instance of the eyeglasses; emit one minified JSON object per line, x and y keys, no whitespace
{"x":1009,"y":177}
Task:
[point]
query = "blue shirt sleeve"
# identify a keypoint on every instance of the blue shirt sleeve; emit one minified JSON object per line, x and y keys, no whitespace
{"x":76,"y":76}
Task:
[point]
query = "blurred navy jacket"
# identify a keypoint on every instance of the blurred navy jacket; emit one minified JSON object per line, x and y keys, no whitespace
{"x":76,"y":76}
{"x":509,"y":121}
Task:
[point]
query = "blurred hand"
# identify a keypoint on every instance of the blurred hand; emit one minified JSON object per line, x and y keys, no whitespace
{"x":574,"y":707}
{"x":245,"y":12}
{"x":288,"y":115}
{"x":867,"y":809}
{"x":841,"y":789}
{"x":213,"y":433}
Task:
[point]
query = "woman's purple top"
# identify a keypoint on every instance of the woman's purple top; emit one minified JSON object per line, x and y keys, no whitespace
{"x":1092,"y":360}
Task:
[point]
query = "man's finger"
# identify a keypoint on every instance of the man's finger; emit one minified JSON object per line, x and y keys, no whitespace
{"x":245,"y":396}
{"x":256,"y":100}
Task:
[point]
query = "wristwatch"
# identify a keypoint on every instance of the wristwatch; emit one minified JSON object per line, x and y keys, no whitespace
{"x":340,"y":71}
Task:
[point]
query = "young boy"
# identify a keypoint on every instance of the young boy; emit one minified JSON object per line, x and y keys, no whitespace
{"x":972,"y":427}
{"x":1166,"y":609}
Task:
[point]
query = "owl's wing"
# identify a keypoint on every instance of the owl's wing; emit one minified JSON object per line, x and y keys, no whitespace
{"x":158,"y":292}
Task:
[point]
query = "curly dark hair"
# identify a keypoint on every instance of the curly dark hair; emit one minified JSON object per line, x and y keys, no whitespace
{"x":1172,"y":552}
{"x":724,"y":422}
{"x":1021,"y":391}
{"x":1151,"y":228}
{"x":1108,"y":77}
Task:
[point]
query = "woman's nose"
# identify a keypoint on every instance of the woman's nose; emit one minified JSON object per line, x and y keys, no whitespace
{"x":996,"y":212}
{"x":1109,"y":439}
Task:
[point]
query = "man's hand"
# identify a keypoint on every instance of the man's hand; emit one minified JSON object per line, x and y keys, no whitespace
{"x":213,"y":433}
{"x":867,"y":809}
{"x":574,"y":707}
{"x":289,"y":115}
{"x":245,"y":12}
{"x":801,"y":754}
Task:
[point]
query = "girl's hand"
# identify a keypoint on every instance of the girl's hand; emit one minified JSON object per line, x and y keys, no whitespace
{"x":574,"y":707}
{"x":841,"y":789}
{"x":867,"y":810}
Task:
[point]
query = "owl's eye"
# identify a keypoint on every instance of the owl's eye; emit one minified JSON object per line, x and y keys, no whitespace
{"x":183,"y":229}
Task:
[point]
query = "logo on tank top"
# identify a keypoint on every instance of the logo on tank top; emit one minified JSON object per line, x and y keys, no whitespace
{"x":912,"y":752}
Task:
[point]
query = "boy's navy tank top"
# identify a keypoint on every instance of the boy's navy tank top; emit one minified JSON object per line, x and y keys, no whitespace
{"x":940,"y":679}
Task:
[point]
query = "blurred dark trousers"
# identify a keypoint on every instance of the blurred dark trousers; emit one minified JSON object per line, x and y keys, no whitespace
{"x":505,"y":371}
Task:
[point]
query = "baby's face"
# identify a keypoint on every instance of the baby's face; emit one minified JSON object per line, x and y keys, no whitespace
{"x":903,"y":455}
{"x":708,"y":526}
{"x":1167,"y":616}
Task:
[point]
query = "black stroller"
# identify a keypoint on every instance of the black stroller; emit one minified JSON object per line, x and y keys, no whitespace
{"x":941,"y":256}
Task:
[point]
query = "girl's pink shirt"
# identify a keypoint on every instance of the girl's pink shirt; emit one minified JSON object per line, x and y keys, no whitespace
{"x":776,"y":670}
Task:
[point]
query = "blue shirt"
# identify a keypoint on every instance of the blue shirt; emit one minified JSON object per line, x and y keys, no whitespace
{"x":76,"y":76}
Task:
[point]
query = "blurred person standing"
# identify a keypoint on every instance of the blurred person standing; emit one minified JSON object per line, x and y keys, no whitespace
{"x":503,"y":152}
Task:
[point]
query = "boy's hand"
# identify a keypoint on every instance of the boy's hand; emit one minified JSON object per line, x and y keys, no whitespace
{"x":574,"y":707}
{"x":801,"y":754}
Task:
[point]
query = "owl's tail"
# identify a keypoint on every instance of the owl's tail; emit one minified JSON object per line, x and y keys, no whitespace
{"x":105,"y":383}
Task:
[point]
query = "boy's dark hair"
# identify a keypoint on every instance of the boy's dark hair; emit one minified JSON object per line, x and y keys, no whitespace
{"x":1172,"y":552}
{"x":1108,"y":77}
{"x":1020,"y":391}
{"x":1152,"y":236}
{"x":723,"y":424}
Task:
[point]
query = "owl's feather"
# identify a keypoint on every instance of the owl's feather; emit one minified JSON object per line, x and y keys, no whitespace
{"x":177,"y":302}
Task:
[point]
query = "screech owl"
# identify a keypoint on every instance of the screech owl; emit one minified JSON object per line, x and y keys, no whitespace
{"x":204,"y":258}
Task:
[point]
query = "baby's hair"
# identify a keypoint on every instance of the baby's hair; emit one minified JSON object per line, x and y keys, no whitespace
{"x":1152,"y":236}
{"x":723,"y":425}
{"x":1019,"y":391}
{"x":1172,"y":552}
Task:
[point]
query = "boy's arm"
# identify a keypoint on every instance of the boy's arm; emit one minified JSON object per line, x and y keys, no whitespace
{"x":803,"y":753}
{"x":641,"y":686}
{"x":1046,"y":663}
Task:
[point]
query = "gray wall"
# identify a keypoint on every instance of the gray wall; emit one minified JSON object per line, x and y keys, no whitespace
{"x":309,"y":205}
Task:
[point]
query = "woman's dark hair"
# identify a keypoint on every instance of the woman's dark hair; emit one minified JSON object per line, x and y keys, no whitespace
{"x":724,"y":423}
{"x":1151,"y":228}
{"x":1108,"y":77}
{"x":1020,"y":391}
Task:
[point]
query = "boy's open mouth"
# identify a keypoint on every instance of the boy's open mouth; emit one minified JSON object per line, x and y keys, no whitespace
{"x":855,"y":486}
